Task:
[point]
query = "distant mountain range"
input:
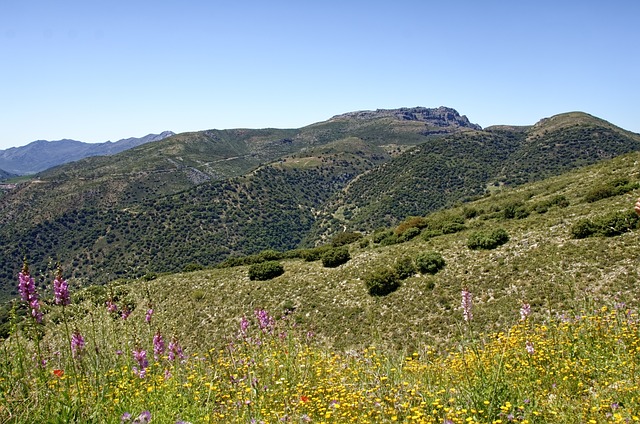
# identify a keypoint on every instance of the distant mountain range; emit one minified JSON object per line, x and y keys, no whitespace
{"x":209,"y":195}
{"x":42,"y":154}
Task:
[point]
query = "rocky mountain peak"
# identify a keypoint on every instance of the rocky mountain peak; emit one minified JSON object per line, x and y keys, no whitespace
{"x":439,"y":117}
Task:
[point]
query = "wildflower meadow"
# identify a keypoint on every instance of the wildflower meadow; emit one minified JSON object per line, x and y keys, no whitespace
{"x":66,"y":362}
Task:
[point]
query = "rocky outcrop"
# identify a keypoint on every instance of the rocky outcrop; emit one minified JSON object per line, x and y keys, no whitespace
{"x":437,"y":117}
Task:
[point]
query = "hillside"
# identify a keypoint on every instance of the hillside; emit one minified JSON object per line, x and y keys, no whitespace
{"x":127,"y":216}
{"x":186,"y":160}
{"x":542,"y":263}
{"x":42,"y":154}
{"x":444,"y":171}
{"x":4,"y":175}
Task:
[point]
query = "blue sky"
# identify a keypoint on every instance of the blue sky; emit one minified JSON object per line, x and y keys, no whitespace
{"x":96,"y":70}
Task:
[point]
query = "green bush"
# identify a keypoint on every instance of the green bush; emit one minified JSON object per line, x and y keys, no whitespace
{"x":616,"y":223}
{"x":314,"y":254}
{"x":380,"y":236}
{"x":192,"y":266}
{"x":452,"y":227}
{"x":335,"y":257}
{"x":345,"y":238}
{"x":381,"y":282}
{"x":408,"y":234}
{"x":265,"y":270}
{"x":430,"y":262}
{"x":582,"y":229}
{"x":404,"y":268}
{"x":608,"y":225}
{"x":514,"y":210}
{"x":610,"y":189}
{"x":487,"y":239}
{"x":269,"y":255}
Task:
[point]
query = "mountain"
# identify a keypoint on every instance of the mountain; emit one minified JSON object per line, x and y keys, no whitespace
{"x":206,"y":196}
{"x":6,"y":175}
{"x":42,"y":154}
{"x":465,"y":165}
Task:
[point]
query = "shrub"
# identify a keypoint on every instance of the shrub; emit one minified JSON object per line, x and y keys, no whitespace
{"x":452,"y":227}
{"x":381,"y":282}
{"x":335,"y":257}
{"x":408,"y":234}
{"x":609,"y":225}
{"x":265,"y":270}
{"x":487,"y":239}
{"x":314,"y":254}
{"x":610,"y":189}
{"x":514,"y":210}
{"x":616,"y":223}
{"x":430,"y":262}
{"x":582,"y":229}
{"x":429,"y":234}
{"x":416,"y":222}
{"x":345,"y":238}
{"x":269,"y":255}
{"x":192,"y":266}
{"x":379,"y":236}
{"x":404,"y":268}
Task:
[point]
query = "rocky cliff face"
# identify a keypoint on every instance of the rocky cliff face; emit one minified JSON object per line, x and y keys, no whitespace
{"x":437,"y":117}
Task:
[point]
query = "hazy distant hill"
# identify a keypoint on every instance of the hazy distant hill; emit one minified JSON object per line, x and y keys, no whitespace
{"x":41,"y":154}
{"x":4,"y":175}
{"x":204,"y":196}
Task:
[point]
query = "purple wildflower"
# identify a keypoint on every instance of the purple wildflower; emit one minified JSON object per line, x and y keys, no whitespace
{"x":244,"y":326}
{"x":28,"y":294}
{"x":125,"y":417}
{"x":143,"y":418}
{"x":111,"y":307}
{"x":148,"y":315}
{"x":175,"y":350}
{"x":158,"y":345}
{"x":525,"y":311}
{"x":125,"y":313}
{"x":265,"y":321}
{"x":140,"y":355}
{"x":467,"y":304}
{"x":61,"y":290}
{"x":77,"y":344}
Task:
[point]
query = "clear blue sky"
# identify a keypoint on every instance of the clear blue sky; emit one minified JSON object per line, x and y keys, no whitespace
{"x":95,"y":70}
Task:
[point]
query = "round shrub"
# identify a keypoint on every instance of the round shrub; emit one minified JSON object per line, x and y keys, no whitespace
{"x":382,"y":282}
{"x":408,"y":234}
{"x":583,"y":229}
{"x":430,"y":262}
{"x":335,"y":257}
{"x":487,"y":239}
{"x":404,"y":268}
{"x":265,"y":270}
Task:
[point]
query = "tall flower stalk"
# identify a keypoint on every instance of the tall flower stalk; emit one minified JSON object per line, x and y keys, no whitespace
{"x":28,"y":294}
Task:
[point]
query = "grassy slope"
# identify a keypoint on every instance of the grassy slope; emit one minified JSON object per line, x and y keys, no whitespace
{"x":541,"y":264}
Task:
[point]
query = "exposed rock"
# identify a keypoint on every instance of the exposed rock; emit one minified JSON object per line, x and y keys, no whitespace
{"x":438,"y":117}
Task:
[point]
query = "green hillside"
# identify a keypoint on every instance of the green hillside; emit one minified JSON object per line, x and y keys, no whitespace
{"x":197,"y":199}
{"x":442,"y":172}
{"x":542,"y":263}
